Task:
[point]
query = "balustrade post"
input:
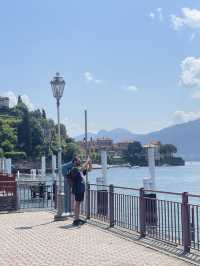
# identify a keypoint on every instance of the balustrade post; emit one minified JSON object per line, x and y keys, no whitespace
{"x":88,"y":201}
{"x":111,"y":205}
{"x":142,"y":224}
{"x":185,"y":220}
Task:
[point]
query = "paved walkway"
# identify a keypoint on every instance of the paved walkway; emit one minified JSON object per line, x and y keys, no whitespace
{"x":32,"y":238}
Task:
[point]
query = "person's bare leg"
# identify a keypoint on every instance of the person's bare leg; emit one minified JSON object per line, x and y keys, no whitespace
{"x":77,"y":210}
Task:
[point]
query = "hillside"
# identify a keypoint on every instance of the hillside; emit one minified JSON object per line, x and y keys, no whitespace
{"x":28,"y":135}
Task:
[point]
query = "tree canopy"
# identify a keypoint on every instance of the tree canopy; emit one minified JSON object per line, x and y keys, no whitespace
{"x":31,"y":134}
{"x":135,"y":154}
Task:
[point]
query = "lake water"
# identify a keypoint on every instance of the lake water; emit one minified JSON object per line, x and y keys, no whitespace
{"x":171,"y":178}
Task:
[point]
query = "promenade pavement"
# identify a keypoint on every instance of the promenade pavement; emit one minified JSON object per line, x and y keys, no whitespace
{"x":33,"y":238}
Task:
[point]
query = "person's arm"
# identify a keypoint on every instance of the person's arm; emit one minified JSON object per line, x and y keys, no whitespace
{"x":90,"y":165}
{"x":87,"y":166}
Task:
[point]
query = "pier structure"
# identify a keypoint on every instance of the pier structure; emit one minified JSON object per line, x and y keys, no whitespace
{"x":102,"y":189}
{"x":150,"y":204}
{"x":150,"y":182}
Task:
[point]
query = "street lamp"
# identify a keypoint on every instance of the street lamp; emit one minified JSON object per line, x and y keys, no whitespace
{"x":58,"y":85}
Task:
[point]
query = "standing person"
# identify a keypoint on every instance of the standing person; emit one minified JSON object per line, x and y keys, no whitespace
{"x":78,"y":185}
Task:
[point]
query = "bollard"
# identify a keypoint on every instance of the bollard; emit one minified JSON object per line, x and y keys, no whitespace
{"x":142,"y":224}
{"x":185,"y":220}
{"x":111,"y":206}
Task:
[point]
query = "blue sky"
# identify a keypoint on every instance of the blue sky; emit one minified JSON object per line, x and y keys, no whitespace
{"x":132,"y":64}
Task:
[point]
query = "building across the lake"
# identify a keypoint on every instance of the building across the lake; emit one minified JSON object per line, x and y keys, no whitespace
{"x":118,"y":149}
{"x":106,"y":143}
{"x":4,"y":102}
{"x":122,"y":146}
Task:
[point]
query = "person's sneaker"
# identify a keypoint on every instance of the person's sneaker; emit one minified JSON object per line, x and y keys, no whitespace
{"x":75,"y":223}
{"x":81,"y":221}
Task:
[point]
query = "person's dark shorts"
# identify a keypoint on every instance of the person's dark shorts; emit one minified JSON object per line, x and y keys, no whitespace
{"x":79,"y":196}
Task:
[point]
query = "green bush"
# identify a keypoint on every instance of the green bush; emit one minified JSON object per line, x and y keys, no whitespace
{"x":15,"y":155}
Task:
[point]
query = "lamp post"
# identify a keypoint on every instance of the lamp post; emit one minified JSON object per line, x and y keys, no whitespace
{"x":58,"y":84}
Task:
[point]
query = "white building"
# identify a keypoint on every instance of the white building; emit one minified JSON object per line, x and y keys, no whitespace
{"x":4,"y":102}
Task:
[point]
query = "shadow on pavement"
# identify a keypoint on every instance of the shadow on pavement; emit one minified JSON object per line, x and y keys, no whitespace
{"x":69,"y":226}
{"x":30,"y":227}
{"x":176,"y":251}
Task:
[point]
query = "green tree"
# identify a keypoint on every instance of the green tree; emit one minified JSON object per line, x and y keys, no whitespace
{"x":19,"y":100}
{"x":7,"y":146}
{"x":24,"y":133}
{"x":30,"y":132}
{"x":63,"y":132}
{"x":37,"y":114}
{"x":44,"y":116}
{"x":167,"y":150}
{"x":8,"y":136}
{"x":135,"y":154}
{"x":69,"y":151}
{"x":19,"y":109}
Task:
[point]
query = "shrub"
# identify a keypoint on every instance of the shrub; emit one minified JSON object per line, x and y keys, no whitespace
{"x":15,"y":155}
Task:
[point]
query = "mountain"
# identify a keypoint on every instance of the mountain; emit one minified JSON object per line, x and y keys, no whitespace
{"x":186,"y":137}
{"x":117,"y":135}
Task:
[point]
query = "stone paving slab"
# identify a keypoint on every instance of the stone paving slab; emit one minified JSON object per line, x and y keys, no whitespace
{"x":33,"y":238}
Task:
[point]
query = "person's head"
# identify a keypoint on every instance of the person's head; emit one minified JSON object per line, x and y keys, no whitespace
{"x":76,"y":161}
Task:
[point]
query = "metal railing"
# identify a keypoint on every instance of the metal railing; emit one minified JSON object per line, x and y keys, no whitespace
{"x":150,"y":213}
{"x":8,"y":195}
{"x":166,"y":216}
{"x":35,"y":195}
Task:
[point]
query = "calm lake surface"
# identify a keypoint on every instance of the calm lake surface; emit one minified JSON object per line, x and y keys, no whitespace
{"x":171,"y":178}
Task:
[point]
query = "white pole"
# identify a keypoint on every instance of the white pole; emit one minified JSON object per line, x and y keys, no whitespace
{"x":53,"y":167}
{"x":86,"y":142}
{"x":8,"y":169}
{"x":33,"y":174}
{"x":3,"y":165}
{"x":151,"y":162}
{"x":43,"y":166}
{"x":104,"y":166}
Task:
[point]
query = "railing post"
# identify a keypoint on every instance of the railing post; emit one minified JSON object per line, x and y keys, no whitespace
{"x":55,"y":194}
{"x":111,"y":205}
{"x":17,"y":196}
{"x":185,"y":220}
{"x":142,"y":224}
{"x":88,"y":201}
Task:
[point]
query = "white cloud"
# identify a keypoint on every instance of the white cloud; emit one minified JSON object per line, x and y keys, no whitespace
{"x":190,"y":72}
{"x":152,"y":15}
{"x":131,"y":88}
{"x":160,"y":13}
{"x":193,"y":36}
{"x":183,"y":117}
{"x":97,"y":81}
{"x":190,"y":18}
{"x":157,"y":14}
{"x":27,"y":101}
{"x":13,"y":99}
{"x":88,"y":77}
